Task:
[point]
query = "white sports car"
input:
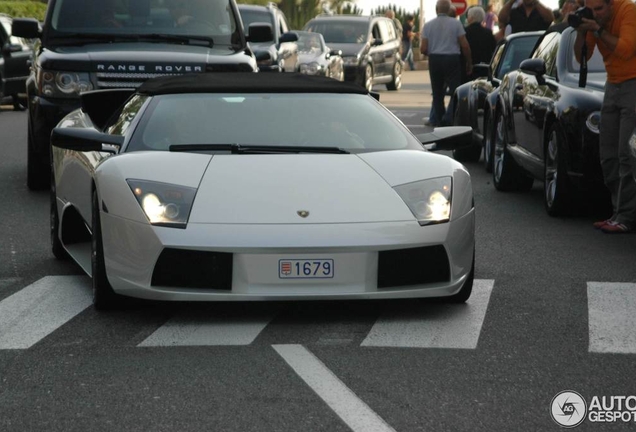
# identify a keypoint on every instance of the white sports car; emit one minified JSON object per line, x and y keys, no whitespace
{"x":252,"y":187}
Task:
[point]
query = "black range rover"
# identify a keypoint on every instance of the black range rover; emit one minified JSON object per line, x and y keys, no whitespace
{"x":103,"y":44}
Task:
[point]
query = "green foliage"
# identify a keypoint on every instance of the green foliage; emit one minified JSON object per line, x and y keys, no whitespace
{"x":23,"y":9}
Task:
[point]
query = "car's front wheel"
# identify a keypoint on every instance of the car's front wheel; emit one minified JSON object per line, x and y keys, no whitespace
{"x":368,"y":77}
{"x":558,"y":194}
{"x":506,"y":174}
{"x":471,"y":153}
{"x":104,"y":298}
{"x":396,"y":80}
{"x":489,"y":148}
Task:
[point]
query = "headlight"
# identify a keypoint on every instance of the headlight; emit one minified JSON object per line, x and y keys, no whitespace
{"x":593,"y":121}
{"x":64,"y":84}
{"x":311,"y":68}
{"x":350,"y":61}
{"x":164,"y":204}
{"x":429,"y":200}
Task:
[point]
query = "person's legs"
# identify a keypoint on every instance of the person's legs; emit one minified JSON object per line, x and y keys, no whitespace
{"x":608,"y":142}
{"x":453,"y":80}
{"x":626,"y":195}
{"x":436,"y":69}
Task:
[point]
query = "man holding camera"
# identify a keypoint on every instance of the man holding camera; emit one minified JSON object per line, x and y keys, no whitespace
{"x":529,"y":15}
{"x":613,"y":31}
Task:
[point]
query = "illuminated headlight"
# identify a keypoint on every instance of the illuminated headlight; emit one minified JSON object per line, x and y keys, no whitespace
{"x":311,"y":68}
{"x":350,"y":61}
{"x":593,"y":121}
{"x":429,"y":200}
{"x":64,"y":84}
{"x":164,"y":204}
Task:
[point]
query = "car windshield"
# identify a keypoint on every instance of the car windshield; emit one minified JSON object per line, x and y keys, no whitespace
{"x":517,"y":51}
{"x":255,"y":16}
{"x":135,"y":18}
{"x":355,"y":123}
{"x":309,"y":42}
{"x":340,"y":31}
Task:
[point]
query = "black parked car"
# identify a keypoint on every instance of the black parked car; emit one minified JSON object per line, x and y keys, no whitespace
{"x":475,"y":101}
{"x":547,"y":127}
{"x":101,"y":44}
{"x":14,"y":62}
{"x":316,"y":58}
{"x":279,"y":53}
{"x":370,"y":47}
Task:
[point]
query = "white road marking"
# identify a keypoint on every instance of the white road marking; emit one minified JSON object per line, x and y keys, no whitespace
{"x":351,"y":409}
{"x":34,"y":312}
{"x":211,"y":328}
{"x":612,"y":321}
{"x":433,"y":325}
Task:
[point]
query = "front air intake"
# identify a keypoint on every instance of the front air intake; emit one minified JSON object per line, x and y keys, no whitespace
{"x":181,"y":268}
{"x":414,"y":266}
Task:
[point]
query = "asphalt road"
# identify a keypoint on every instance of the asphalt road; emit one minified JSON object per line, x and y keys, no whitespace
{"x":553,"y":310}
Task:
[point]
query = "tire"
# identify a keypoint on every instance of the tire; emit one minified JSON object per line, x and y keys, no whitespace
{"x":56,"y":244}
{"x":104,"y":298}
{"x":464,"y":294}
{"x":396,"y":82}
{"x":471,"y":153}
{"x":506,"y":174}
{"x":368,"y":78}
{"x":18,"y":105}
{"x":38,"y":173}
{"x":489,"y":148}
{"x":558,"y":195}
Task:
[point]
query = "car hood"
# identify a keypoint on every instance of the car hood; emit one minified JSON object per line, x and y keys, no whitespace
{"x":272,"y":189}
{"x":348,"y":49}
{"x":139,"y":57}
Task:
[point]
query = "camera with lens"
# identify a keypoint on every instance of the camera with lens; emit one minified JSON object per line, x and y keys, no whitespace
{"x":575,"y":19}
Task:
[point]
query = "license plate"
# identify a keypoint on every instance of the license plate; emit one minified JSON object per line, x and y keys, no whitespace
{"x":305,"y":269}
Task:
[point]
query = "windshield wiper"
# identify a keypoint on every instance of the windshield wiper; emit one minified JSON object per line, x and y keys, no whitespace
{"x":183,"y":39}
{"x":255,"y":149}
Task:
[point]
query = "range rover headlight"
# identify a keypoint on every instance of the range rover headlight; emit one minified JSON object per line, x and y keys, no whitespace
{"x":593,"y":122}
{"x":429,"y":200}
{"x":164,"y":204}
{"x":64,"y":84}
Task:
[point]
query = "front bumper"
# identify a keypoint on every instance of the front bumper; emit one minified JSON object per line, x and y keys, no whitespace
{"x":132,"y":250}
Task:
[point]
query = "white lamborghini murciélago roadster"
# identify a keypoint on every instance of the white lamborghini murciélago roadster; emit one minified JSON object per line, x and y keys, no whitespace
{"x":255,"y":187}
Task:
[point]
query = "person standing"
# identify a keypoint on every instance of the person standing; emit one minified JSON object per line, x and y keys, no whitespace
{"x":530,"y":15}
{"x":481,"y":40}
{"x":613,"y":32}
{"x":407,"y":41}
{"x":491,"y":18}
{"x":443,"y":39}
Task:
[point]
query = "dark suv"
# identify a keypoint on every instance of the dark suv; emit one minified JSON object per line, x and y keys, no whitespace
{"x":280,"y":53}
{"x":104,"y":44}
{"x":370,"y":47}
{"x":14,"y":62}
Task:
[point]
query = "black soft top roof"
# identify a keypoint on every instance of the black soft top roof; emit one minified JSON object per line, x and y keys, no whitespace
{"x":247,"y":82}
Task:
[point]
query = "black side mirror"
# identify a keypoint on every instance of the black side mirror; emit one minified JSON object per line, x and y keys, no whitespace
{"x":28,"y":28}
{"x":262,"y":56}
{"x":288,"y":37}
{"x":534,"y":67}
{"x":481,"y":70}
{"x":84,"y":140}
{"x":260,"y":32}
{"x":335,"y":53}
{"x":447,"y":138}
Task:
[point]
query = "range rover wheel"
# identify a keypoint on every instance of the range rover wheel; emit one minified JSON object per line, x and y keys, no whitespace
{"x":38,"y":173}
{"x":396,"y":81}
{"x":506,"y":174}
{"x":557,"y":190}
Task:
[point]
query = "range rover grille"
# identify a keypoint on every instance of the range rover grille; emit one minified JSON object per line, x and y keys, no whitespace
{"x":108,"y":80}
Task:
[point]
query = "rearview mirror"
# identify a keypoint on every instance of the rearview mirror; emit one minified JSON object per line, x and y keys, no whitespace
{"x":447,"y":138}
{"x":84,"y":140}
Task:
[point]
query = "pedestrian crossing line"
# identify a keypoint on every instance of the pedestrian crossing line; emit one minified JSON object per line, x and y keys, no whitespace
{"x":433,"y":325}
{"x":34,"y":312}
{"x":612,"y":321}
{"x":204,"y":328}
{"x":340,"y":398}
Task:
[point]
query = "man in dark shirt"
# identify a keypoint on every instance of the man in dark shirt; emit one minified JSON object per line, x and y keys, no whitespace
{"x":530,"y":15}
{"x":407,"y":41}
{"x":481,"y":40}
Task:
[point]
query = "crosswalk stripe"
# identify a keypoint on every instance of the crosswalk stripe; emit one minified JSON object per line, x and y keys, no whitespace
{"x":612,"y":322}
{"x":433,"y":325}
{"x":34,"y":312}
{"x":203,"y":328}
{"x":344,"y":402}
